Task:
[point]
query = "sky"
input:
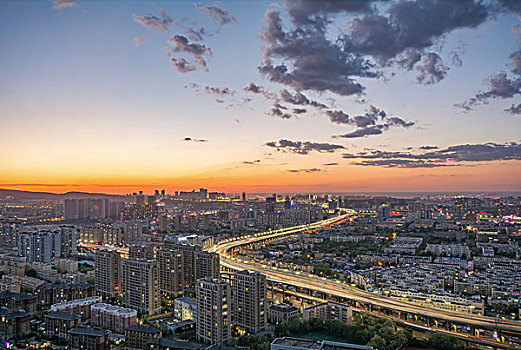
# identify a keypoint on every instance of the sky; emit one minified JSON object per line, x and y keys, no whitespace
{"x":260,"y":96}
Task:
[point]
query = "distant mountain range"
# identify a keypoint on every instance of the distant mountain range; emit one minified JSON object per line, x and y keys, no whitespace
{"x":55,"y":196}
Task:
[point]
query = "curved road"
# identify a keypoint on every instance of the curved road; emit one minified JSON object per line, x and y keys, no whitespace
{"x":323,"y":285}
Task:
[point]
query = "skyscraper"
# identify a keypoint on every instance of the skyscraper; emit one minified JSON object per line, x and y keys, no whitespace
{"x":249,"y":301}
{"x":107,"y":274}
{"x":140,"y":285}
{"x":213,"y":311}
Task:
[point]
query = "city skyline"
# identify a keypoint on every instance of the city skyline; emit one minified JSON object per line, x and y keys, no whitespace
{"x":299,"y":96}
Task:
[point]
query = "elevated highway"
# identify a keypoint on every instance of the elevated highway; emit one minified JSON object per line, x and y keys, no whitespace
{"x":449,"y":322}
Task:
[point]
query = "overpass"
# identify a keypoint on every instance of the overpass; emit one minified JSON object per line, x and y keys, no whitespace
{"x":469,"y":327}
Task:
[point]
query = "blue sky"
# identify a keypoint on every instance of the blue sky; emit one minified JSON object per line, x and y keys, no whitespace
{"x":81,"y":102}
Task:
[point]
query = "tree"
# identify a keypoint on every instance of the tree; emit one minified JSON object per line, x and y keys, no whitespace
{"x":377,"y":342}
{"x":30,"y":272}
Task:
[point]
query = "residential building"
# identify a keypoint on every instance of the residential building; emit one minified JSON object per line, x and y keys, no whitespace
{"x":88,"y":338}
{"x":136,"y":337}
{"x":81,"y":307}
{"x":213,"y":311}
{"x":58,"y":324}
{"x":249,"y":301}
{"x":14,"y":323}
{"x":282,"y":313}
{"x":171,"y":274}
{"x":140,"y":285}
{"x":107,"y":275}
{"x":185,"y":309}
{"x":112,"y":317}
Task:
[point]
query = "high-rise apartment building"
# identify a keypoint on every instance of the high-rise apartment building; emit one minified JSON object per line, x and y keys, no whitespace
{"x":68,"y":239}
{"x":207,"y":265}
{"x":213,"y":311}
{"x":249,"y":301}
{"x":132,"y":231}
{"x":171,"y":273}
{"x":37,"y":246}
{"x":107,"y":274}
{"x":189,"y":253}
{"x":163,"y":223}
{"x":141,"y":251}
{"x":140,"y":285}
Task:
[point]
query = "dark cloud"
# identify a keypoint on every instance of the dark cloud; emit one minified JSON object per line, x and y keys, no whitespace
{"x":251,"y":162}
{"x":222,"y":17}
{"x":315,"y":12}
{"x":514,"y":109}
{"x":181,"y":43}
{"x":311,"y":170}
{"x":515,"y":57}
{"x":299,"y":99}
{"x":428,"y":147}
{"x":330,"y":164}
{"x":300,"y":147}
{"x":374,"y":122}
{"x":511,"y":5}
{"x":500,"y":86}
{"x":259,"y":89}
{"x":221,"y":91}
{"x":191,"y":139}
{"x":162,"y":21}
{"x":182,"y":65}
{"x":338,"y":117}
{"x":279,"y":111}
{"x":299,"y":110}
{"x":450,"y":156}
{"x":197,"y":34}
{"x":307,"y":57}
{"x":61,"y":4}
{"x":431,"y":70}
{"x":370,"y":130}
{"x":411,"y":25}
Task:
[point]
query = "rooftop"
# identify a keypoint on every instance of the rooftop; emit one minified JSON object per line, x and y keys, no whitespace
{"x":89,"y":331}
{"x":136,"y":328}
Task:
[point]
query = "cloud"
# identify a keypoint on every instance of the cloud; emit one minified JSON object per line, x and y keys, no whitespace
{"x":374,"y":122}
{"x":191,"y":139}
{"x":222,"y":17}
{"x":299,"y":110}
{"x":62,"y":4}
{"x":181,"y":43}
{"x":500,"y":87}
{"x":313,"y":12}
{"x":330,"y":164}
{"x":311,"y":170}
{"x":428,"y":147}
{"x":450,"y":156}
{"x":515,"y":57}
{"x":259,"y":89}
{"x":514,"y":109}
{"x":431,"y":70}
{"x":182,"y":65}
{"x":299,"y":99}
{"x":370,"y":130}
{"x":309,"y":57}
{"x":306,"y":147}
{"x":139,"y":40}
{"x":279,"y":111}
{"x":221,"y":91}
{"x":252,"y":162}
{"x":162,"y":21}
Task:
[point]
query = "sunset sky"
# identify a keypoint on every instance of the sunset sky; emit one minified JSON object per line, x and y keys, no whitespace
{"x":260,"y":96}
